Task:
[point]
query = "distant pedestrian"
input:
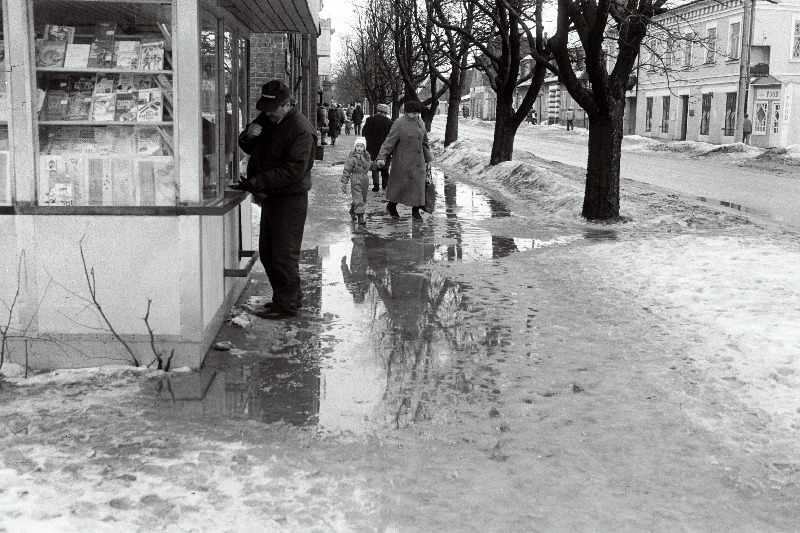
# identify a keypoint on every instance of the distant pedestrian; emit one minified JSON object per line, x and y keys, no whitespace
{"x":408,"y":141}
{"x":570,"y":118}
{"x":348,"y":122}
{"x":465,"y":111}
{"x":747,"y":129}
{"x":355,"y":178}
{"x":532,"y":117}
{"x":322,"y":121}
{"x":358,"y":118}
{"x":334,"y":123}
{"x":376,"y":128}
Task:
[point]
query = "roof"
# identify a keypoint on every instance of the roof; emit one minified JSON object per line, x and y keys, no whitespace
{"x":265,"y":16}
{"x":765,"y":80}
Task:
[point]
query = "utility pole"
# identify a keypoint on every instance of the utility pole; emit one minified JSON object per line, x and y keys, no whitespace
{"x":744,"y":66}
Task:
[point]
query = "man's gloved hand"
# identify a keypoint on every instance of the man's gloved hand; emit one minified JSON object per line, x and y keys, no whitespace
{"x":245,"y":184}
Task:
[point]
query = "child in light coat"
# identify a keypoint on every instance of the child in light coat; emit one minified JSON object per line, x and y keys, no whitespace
{"x":356,"y":173}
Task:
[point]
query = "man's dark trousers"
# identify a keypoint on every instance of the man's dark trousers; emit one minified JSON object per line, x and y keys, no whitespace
{"x":283,"y":219}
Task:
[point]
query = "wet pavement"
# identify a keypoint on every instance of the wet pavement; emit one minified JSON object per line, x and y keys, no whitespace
{"x":381,"y":331}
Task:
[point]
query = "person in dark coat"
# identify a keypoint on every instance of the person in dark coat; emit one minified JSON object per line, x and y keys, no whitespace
{"x":282,"y":144}
{"x":334,"y":123}
{"x":322,"y":121}
{"x":408,"y":142}
{"x":358,"y":118}
{"x":376,"y":128}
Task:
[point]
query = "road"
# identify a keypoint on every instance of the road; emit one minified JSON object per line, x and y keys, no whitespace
{"x":759,"y":191}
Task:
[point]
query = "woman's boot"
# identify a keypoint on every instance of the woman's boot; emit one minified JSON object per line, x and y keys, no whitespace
{"x":415,"y":213}
{"x":391,"y":207}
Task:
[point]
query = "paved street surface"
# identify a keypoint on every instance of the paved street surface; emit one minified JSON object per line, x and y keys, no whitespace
{"x":501,"y":366}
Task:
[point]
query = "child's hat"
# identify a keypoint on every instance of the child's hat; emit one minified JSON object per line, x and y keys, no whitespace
{"x":361,"y":141}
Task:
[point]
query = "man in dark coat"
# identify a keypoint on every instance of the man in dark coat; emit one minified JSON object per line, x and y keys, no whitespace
{"x":281,"y":143}
{"x":358,"y":118}
{"x":376,"y":128}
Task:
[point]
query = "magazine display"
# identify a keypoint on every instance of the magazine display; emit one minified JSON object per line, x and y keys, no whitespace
{"x":102,"y":141}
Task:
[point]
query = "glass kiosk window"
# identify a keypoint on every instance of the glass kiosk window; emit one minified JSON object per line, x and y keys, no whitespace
{"x":209,"y":39}
{"x":105,"y":88}
{"x":5,"y":111}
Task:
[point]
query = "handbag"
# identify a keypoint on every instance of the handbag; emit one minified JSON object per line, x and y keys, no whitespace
{"x":430,"y":192}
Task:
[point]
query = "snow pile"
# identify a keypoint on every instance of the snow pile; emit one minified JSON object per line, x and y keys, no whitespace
{"x":793,"y":151}
{"x":736,"y":149}
{"x":634,"y":143}
{"x":694,"y":147}
{"x":551,"y":195}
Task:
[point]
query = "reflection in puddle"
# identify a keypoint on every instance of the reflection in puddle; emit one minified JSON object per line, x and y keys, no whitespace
{"x":378,"y":342}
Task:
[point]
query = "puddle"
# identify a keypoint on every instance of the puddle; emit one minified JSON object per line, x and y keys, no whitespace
{"x":379,"y":341}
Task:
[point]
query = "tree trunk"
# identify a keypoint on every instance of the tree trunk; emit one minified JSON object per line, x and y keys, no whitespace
{"x":504,"y":130}
{"x":453,"y":112}
{"x":601,"y":198}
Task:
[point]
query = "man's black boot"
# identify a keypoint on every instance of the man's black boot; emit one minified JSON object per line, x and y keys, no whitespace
{"x":391,"y":207}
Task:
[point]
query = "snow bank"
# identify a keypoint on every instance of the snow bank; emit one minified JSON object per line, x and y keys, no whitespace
{"x":549,"y":194}
{"x":694,"y":147}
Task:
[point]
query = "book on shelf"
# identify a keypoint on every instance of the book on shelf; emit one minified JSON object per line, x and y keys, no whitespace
{"x":124,"y":83}
{"x":148,"y":141}
{"x":143,"y":82}
{"x":152,"y":54}
{"x":105,"y":84}
{"x":56,"y":101}
{"x":59,"y":33}
{"x":95,"y":178}
{"x":59,"y":141}
{"x":126,"y":53}
{"x":51,"y":53}
{"x":156,"y":181}
{"x":124,"y":184}
{"x":101,"y":54}
{"x":55,"y":185}
{"x":79,"y":104}
{"x":104,"y":107}
{"x":125,"y":109}
{"x":149,"y":105}
{"x":77,"y":55}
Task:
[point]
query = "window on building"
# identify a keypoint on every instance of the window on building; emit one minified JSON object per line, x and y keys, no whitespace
{"x":730,"y":114}
{"x":648,"y":116}
{"x":665,"y":114}
{"x":705,"y":114}
{"x":776,"y":116}
{"x":687,"y":50}
{"x":669,"y":56}
{"x":733,"y":40}
{"x":796,"y":40}
{"x":711,"y":45}
{"x":760,"y":122}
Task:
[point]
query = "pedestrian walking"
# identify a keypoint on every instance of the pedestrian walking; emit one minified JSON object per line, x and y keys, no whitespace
{"x":348,"y":123}
{"x":376,"y":128}
{"x":358,"y":118}
{"x":334,"y":123}
{"x":747,"y":129}
{"x":408,"y":142}
{"x":322,"y":121}
{"x":282,"y":144}
{"x":570,"y":118}
{"x":356,"y":180}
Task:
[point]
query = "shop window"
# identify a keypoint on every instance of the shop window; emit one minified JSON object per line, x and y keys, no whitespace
{"x":705,"y":114}
{"x":243,"y":108}
{"x":730,"y":114}
{"x":665,"y":114}
{"x":760,"y":122}
{"x":5,"y":111}
{"x":105,"y":94}
{"x":230,"y":135}
{"x":648,"y":115}
{"x":734,"y":32}
{"x":209,"y":103}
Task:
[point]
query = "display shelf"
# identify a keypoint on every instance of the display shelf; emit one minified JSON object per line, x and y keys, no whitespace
{"x":103,"y":70}
{"x":103,"y":123}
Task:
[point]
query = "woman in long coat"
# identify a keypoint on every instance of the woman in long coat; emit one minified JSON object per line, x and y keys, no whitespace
{"x":334,"y":123}
{"x":407,"y":143}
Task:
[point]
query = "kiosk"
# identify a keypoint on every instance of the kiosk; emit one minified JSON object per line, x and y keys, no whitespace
{"x":118,"y":128}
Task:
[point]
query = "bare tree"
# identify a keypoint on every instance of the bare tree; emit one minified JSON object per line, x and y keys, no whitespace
{"x":504,"y":32}
{"x":604,"y":98}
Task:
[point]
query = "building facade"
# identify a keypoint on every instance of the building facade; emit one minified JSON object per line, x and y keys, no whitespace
{"x":695,"y":97}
